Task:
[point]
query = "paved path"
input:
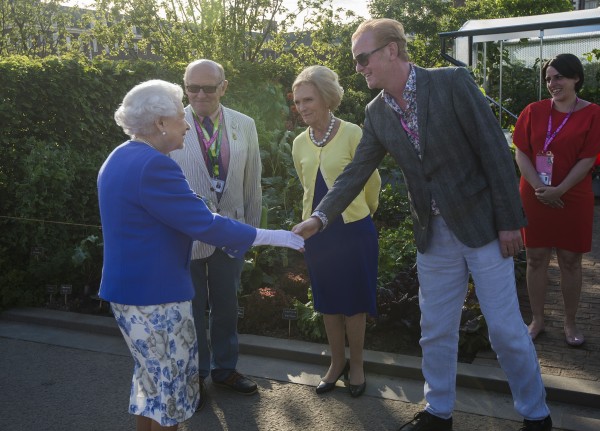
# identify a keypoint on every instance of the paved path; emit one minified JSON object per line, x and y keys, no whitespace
{"x":62,"y":371}
{"x":65,"y":371}
{"x":556,"y":357}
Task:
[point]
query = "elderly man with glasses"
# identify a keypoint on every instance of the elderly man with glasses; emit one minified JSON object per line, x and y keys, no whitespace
{"x":221,"y":161}
{"x":466,"y":211}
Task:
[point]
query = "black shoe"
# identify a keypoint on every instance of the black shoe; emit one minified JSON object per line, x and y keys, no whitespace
{"x":330,"y":386}
{"x":425,"y":421}
{"x":541,"y":425}
{"x":357,"y":390}
{"x":203,"y":396}
{"x":239,"y":383}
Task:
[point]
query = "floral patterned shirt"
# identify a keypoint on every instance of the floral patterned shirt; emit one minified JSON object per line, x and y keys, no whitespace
{"x":408,"y":117}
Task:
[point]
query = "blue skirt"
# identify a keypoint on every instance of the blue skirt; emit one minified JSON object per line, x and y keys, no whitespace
{"x":342,"y":264}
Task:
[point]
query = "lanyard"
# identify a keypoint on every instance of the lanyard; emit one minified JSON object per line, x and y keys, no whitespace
{"x":407,"y":129}
{"x":550,"y":136}
{"x":212,"y":145}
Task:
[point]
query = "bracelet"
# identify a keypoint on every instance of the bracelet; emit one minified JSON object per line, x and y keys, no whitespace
{"x":321,"y":216}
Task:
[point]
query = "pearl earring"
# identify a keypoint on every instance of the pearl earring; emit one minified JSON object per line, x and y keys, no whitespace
{"x":164,"y":133}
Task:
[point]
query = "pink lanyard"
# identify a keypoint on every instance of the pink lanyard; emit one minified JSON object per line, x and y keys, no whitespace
{"x":408,"y":130}
{"x":550,"y":136}
{"x":202,"y":134}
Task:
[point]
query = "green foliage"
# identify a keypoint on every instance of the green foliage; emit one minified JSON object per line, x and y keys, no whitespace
{"x":397,"y":249}
{"x":57,"y":130}
{"x":86,"y":256}
{"x":591,"y":71}
{"x":473,"y":331}
{"x":424,"y":19}
{"x":310,"y":322}
{"x":58,"y":127}
{"x":487,"y":9}
{"x":33,"y":28}
{"x":179,"y":30}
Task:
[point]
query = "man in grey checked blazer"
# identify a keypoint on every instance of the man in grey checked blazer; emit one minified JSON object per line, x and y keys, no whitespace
{"x":221,"y":161}
{"x":466,"y":213}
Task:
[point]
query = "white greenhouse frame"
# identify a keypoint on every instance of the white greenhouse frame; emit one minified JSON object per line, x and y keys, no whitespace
{"x":536,"y":29}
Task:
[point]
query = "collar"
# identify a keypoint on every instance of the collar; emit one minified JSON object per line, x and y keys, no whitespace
{"x":214,"y":116}
{"x":409,"y":93}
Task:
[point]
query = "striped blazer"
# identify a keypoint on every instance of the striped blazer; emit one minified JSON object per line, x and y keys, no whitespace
{"x":242,"y":197}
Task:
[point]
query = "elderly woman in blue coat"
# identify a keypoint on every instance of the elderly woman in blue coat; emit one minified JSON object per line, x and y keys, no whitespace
{"x":150,"y":217}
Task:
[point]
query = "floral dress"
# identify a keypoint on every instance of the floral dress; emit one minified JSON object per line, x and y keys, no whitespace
{"x":166,"y":384}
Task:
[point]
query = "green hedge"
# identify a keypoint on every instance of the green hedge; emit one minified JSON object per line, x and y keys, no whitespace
{"x":57,"y":129}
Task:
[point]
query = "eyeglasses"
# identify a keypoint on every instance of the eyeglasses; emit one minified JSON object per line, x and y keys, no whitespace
{"x":207,"y":89}
{"x":363,"y":58}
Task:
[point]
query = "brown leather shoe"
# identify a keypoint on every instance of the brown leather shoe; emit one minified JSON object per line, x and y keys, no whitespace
{"x":239,"y":383}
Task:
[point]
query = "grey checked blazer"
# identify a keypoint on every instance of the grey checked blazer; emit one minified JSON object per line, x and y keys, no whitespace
{"x":466,"y":164}
{"x":242,"y":196}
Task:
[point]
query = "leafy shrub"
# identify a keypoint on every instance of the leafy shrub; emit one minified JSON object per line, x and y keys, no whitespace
{"x":310,"y":322}
{"x":397,"y":249}
{"x":398,"y":304}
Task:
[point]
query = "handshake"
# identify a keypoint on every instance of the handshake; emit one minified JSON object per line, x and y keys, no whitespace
{"x":293,"y":239}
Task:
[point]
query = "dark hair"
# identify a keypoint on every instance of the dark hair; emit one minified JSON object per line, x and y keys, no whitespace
{"x":567,"y":65}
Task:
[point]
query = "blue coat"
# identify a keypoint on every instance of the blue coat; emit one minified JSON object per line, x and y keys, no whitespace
{"x":150,"y":217}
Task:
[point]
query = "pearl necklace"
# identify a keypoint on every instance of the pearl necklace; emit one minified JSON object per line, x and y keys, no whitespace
{"x":145,"y":142}
{"x":327,"y":134}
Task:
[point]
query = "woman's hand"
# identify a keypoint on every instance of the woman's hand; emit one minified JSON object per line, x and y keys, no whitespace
{"x":550,"y":196}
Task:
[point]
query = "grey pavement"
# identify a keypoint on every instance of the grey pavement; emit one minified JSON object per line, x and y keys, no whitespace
{"x":556,"y":357}
{"x":69,"y":371}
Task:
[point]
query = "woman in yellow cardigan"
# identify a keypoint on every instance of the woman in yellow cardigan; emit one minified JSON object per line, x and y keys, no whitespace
{"x":341,"y":260}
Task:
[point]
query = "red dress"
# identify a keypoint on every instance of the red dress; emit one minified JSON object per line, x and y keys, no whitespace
{"x":570,"y":227}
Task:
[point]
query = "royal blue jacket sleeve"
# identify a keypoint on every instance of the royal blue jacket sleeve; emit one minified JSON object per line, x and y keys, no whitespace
{"x":150,"y":217}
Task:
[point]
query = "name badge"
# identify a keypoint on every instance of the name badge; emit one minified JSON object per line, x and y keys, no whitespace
{"x":217,"y":184}
{"x":543,"y":165}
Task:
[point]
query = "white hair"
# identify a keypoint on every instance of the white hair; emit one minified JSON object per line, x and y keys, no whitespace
{"x":216,"y":66}
{"x":145,"y":103}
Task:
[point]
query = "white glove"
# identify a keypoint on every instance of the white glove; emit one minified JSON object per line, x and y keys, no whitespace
{"x":278,"y":238}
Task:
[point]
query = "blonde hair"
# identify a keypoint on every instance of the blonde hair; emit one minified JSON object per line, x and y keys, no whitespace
{"x":385,"y":30}
{"x":325,"y":81}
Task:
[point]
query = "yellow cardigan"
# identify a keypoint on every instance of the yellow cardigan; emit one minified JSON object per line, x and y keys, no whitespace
{"x":331,"y":160}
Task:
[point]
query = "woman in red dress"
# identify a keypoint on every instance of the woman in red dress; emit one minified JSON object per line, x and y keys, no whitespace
{"x":557,"y":142}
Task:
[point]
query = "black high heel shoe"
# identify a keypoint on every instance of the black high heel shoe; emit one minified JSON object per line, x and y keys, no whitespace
{"x":358,"y":390}
{"x":329,"y":386}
